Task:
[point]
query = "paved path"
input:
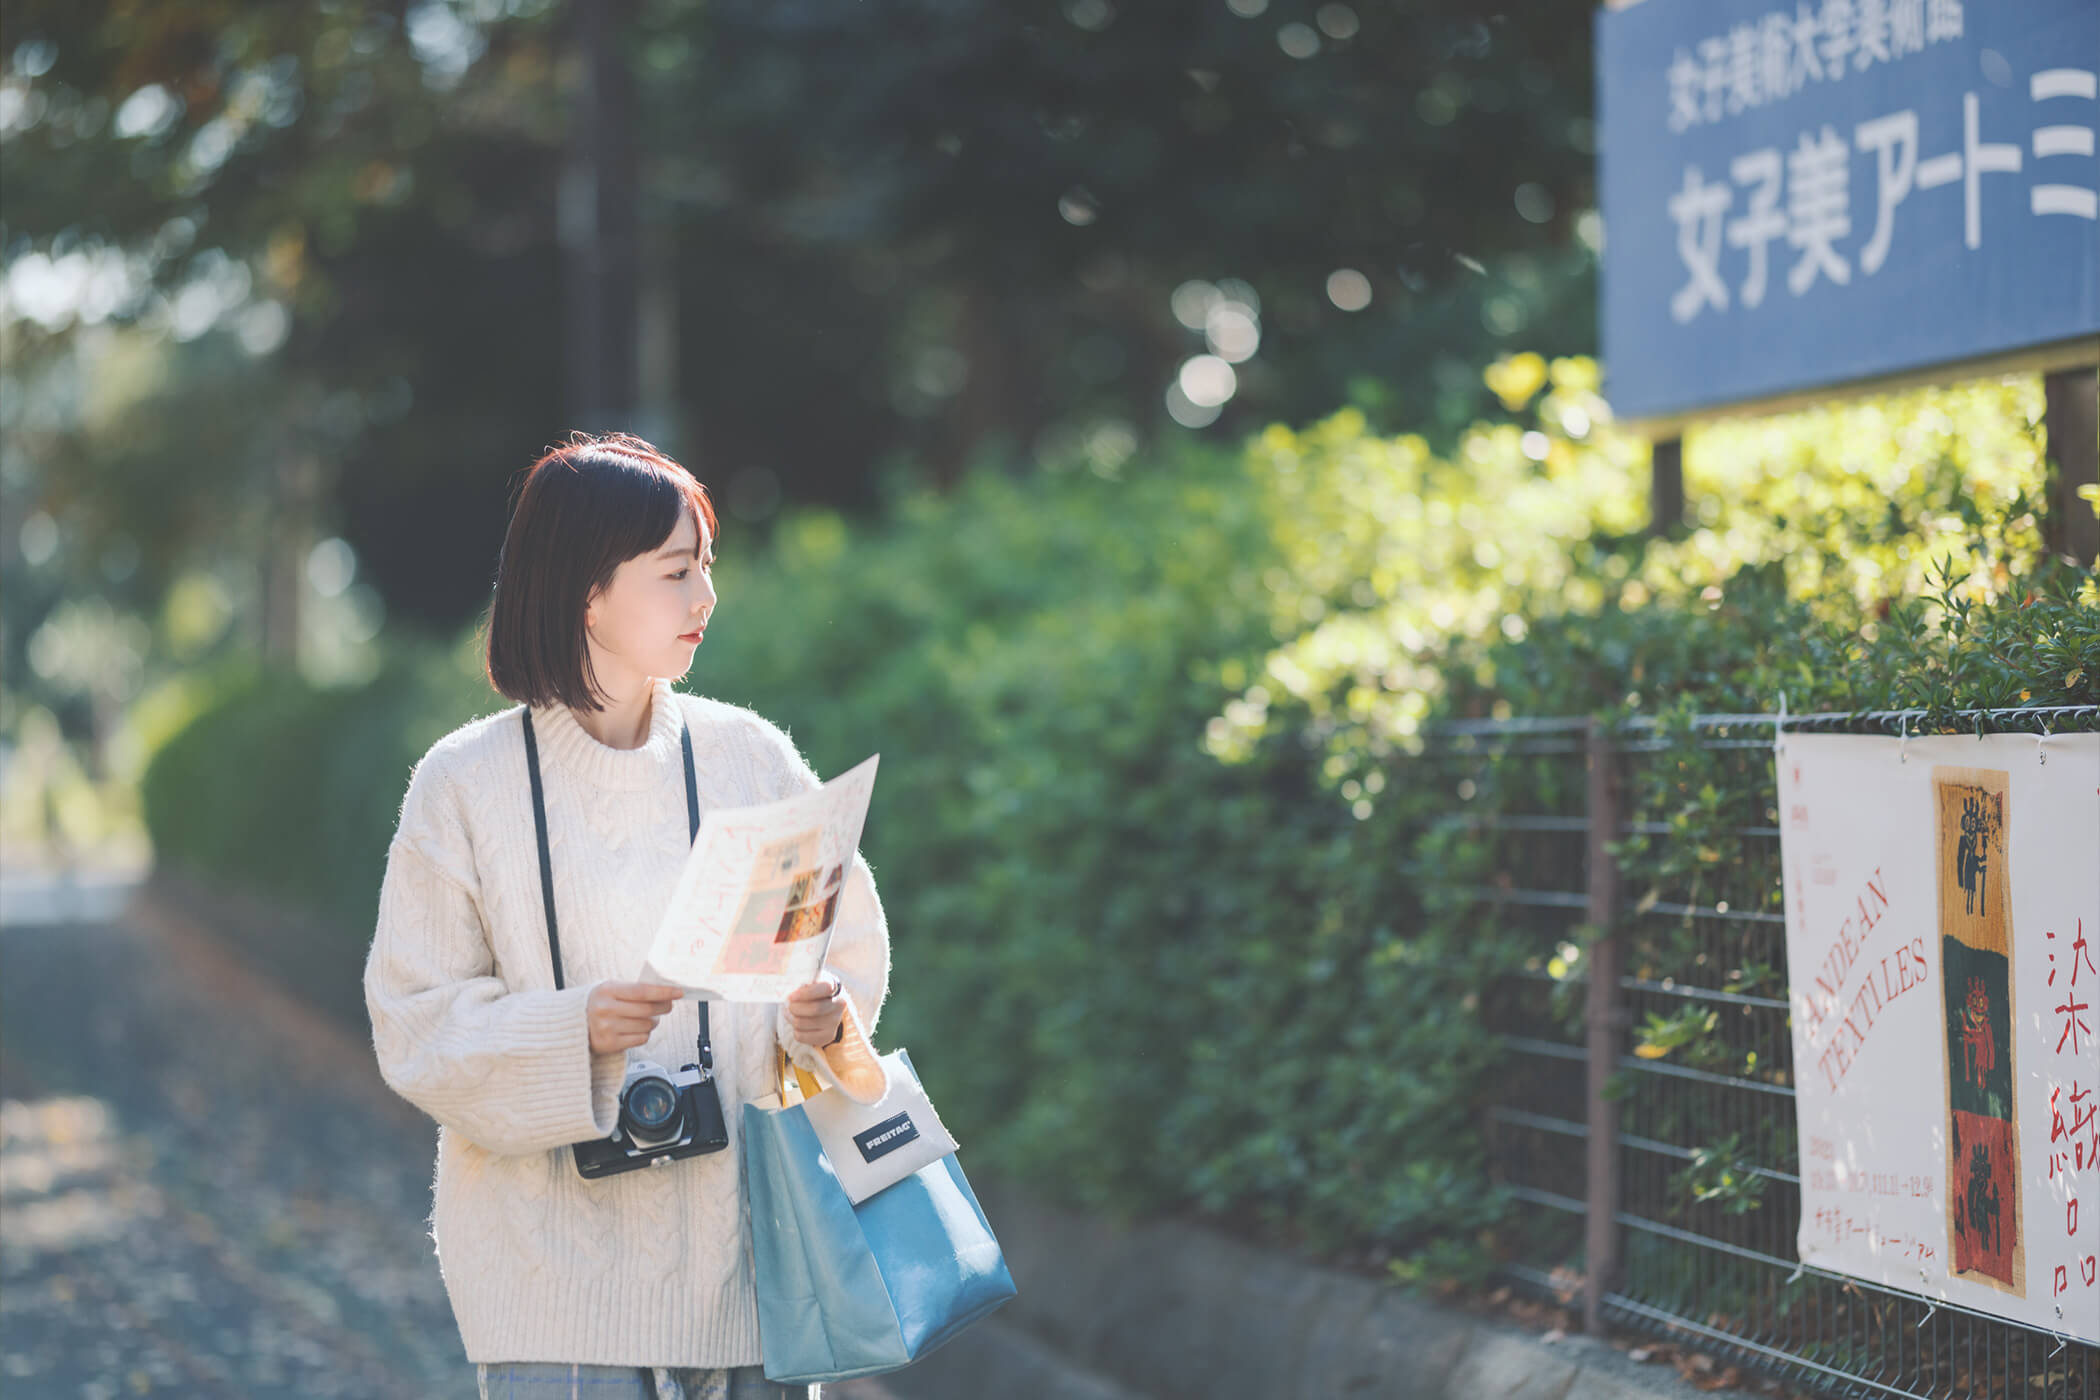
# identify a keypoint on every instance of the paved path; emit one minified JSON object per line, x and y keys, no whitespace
{"x":205,"y":1189}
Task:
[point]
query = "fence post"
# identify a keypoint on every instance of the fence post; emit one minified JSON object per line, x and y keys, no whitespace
{"x":1605,"y":1016}
{"x":2073,"y":408}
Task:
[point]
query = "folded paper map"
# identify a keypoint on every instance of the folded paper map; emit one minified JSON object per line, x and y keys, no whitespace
{"x":753,"y":913}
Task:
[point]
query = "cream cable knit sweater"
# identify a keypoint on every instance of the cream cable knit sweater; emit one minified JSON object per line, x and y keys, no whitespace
{"x":647,"y":1268}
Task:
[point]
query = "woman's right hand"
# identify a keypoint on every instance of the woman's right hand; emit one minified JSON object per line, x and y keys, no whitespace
{"x":621,"y":1015}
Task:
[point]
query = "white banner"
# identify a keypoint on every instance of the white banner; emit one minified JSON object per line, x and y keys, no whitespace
{"x":1943,"y":937}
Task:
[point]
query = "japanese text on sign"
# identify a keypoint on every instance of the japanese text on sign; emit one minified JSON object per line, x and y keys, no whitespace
{"x":1815,"y":178}
{"x":1768,"y":60}
{"x":2074,"y":1107}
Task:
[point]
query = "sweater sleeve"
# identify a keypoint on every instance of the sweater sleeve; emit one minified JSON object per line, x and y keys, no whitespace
{"x":511,"y":1071}
{"x":859,"y":955}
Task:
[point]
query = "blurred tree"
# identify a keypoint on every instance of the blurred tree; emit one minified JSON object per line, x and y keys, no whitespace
{"x":1016,"y":190}
{"x":599,"y":226}
{"x":339,"y":232}
{"x":332,"y":231}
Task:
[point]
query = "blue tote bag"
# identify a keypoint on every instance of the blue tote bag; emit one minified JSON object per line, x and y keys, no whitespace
{"x":849,"y":1290}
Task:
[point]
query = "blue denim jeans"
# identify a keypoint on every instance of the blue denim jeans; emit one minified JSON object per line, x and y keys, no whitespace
{"x":565,"y":1380}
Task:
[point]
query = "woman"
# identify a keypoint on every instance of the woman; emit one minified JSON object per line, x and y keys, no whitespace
{"x":636,"y":1284}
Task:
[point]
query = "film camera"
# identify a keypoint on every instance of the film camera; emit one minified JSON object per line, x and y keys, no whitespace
{"x":663,"y":1117}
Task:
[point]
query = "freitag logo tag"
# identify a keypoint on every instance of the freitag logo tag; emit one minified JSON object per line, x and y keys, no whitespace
{"x":886,"y":1137}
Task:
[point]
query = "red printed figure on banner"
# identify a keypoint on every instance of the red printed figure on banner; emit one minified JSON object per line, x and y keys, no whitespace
{"x":1976,"y":945}
{"x":1985,"y":1229}
{"x":1979,"y":1048}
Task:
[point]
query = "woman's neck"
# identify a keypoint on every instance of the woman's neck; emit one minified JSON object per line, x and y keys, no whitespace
{"x":624,"y":722}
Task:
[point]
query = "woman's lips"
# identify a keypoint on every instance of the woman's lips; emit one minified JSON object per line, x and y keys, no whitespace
{"x":693,"y":636}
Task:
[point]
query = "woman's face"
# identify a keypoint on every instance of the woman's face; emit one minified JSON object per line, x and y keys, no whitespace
{"x":647,"y":621}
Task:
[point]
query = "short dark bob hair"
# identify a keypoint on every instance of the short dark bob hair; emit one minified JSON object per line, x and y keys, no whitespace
{"x":583,"y":509}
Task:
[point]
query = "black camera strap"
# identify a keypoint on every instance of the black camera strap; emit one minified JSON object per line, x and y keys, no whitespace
{"x":539,"y":820}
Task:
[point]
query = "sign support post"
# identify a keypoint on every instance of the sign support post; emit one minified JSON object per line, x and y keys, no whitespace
{"x":2069,"y":525}
{"x":1666,"y":487}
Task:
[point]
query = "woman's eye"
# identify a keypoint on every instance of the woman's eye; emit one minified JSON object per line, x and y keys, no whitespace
{"x":681,"y":573}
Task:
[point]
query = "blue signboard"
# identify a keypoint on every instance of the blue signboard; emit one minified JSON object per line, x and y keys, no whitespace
{"x":1798,"y":193}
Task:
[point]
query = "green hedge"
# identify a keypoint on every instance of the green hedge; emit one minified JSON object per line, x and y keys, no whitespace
{"x":279,"y":789}
{"x":1172,"y":901}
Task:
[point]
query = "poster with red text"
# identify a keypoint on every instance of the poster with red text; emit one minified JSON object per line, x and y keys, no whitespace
{"x":1943,"y":941}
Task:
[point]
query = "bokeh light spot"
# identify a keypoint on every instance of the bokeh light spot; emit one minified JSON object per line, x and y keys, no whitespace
{"x":1090,"y":15}
{"x":1192,"y":301}
{"x":38,"y":539}
{"x":1207,"y":380}
{"x":263,"y":327}
{"x":33,"y":57}
{"x":331,"y":566}
{"x":1298,"y":40}
{"x":1503,"y":315}
{"x":1231,"y":332}
{"x":149,"y":112}
{"x":1188,"y":413}
{"x":1078,"y":208}
{"x":1348,"y":289}
{"x":1337,"y":21}
{"x":1234,"y":289}
{"x":1534,"y":202}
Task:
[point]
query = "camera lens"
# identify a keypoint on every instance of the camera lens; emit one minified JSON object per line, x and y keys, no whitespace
{"x":649,"y":1108}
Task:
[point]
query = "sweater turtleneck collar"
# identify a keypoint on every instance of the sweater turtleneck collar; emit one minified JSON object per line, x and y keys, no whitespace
{"x":566,"y":741}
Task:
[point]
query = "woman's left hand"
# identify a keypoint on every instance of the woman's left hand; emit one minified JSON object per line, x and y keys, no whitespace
{"x":817,"y":1010}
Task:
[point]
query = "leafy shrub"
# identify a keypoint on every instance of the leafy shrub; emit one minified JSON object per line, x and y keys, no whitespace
{"x":1136,"y":962}
{"x":1180,"y":919}
{"x":1866,"y":523}
{"x":285,"y":790}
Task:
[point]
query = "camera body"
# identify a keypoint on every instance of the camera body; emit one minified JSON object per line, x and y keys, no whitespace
{"x":664,"y":1117}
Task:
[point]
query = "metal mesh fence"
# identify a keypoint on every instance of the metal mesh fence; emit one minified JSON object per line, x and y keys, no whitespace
{"x":1701,"y":942}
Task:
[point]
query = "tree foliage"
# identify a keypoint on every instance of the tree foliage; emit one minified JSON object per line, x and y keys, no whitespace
{"x":334,"y":235}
